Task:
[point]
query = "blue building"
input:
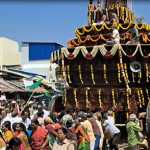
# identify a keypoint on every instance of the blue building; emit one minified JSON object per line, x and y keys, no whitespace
{"x":35,"y":56}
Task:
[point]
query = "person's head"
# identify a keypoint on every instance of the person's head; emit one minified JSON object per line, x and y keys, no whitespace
{"x":104,"y":17}
{"x":25,"y":115}
{"x":35,"y":106}
{"x":98,"y":116}
{"x":69,"y":111}
{"x":110,"y":113}
{"x":61,"y":133}
{"x":90,"y":115}
{"x":20,"y":127}
{"x":40,"y":108}
{"x":47,"y":121}
{"x":82,"y":115}
{"x":14,"y":144}
{"x":3,"y":113}
{"x":14,"y":114}
{"x":40,"y":114}
{"x":69,"y":124}
{"x":132,"y":117}
{"x":34,"y":124}
{"x":6,"y":126}
{"x":14,"y":126}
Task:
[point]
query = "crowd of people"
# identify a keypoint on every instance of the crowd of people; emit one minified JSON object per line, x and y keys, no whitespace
{"x":36,"y":128}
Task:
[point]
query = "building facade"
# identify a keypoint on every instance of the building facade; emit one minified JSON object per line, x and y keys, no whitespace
{"x":35,"y":56}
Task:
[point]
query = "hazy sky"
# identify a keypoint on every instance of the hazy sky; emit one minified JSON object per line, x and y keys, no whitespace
{"x":48,"y":20}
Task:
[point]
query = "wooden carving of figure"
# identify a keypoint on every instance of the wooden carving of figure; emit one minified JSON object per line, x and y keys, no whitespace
{"x":98,"y":12}
{"x":109,"y":3}
{"x":91,"y":9}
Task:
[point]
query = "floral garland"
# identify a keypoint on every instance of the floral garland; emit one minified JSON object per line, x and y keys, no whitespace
{"x":75,"y":97}
{"x":119,"y":77}
{"x":92,"y":74}
{"x":142,"y":97}
{"x":99,"y":97}
{"x":139,"y":97}
{"x":87,"y":98}
{"x":63,"y":68}
{"x":80,"y":74}
{"x":126,"y":72}
{"x":68,"y":70}
{"x":105,"y":73}
{"x":87,"y":30}
{"x":147,"y":94}
{"x":94,"y":27}
{"x":92,"y":54}
{"x":139,"y":76}
{"x":147,"y":73}
{"x":96,"y":38}
{"x":128,"y":102}
{"x":100,"y":29}
{"x":113,"y":99}
{"x":139,"y":28}
{"x":65,"y":97}
{"x":123,"y":71}
{"x":124,"y":28}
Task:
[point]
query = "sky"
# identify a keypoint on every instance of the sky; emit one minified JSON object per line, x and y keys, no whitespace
{"x":49,"y":20}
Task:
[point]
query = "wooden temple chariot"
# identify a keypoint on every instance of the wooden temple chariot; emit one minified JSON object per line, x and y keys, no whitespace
{"x":102,"y":75}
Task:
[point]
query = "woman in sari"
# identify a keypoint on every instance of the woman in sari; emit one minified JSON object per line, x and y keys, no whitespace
{"x":21,"y":133}
{"x":39,"y":136}
{"x":83,"y":138}
{"x":7,"y":132}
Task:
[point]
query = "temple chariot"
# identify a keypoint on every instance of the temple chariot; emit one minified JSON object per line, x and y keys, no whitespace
{"x":102,"y":73}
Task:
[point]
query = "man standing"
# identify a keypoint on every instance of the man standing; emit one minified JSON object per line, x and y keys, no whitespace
{"x":133,"y":130}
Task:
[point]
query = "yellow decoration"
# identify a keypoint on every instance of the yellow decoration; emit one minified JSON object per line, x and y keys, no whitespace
{"x":129,"y":19}
{"x":142,"y":97}
{"x":92,"y":74}
{"x":87,"y":98}
{"x":125,"y":28}
{"x":126,"y":72}
{"x":139,"y":97}
{"x":75,"y":97}
{"x":80,"y":74}
{"x":147,"y":93}
{"x":65,"y":97}
{"x":105,"y":73}
{"x":139,"y":76}
{"x":113,"y":98}
{"x":99,"y":97}
{"x":123,"y":72}
{"x":63,"y":67}
{"x":139,"y":28}
{"x":128,"y":101}
{"x":105,"y":25}
{"x":147,"y":73}
{"x":98,"y":30}
{"x":87,"y":30}
{"x":68,"y":73}
{"x":119,"y":79}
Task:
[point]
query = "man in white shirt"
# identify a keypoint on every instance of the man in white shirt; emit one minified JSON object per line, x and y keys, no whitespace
{"x":113,"y":133}
{"x":13,"y":118}
{"x":115,"y":37}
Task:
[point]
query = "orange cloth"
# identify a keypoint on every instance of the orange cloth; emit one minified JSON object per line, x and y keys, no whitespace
{"x":38,"y":138}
